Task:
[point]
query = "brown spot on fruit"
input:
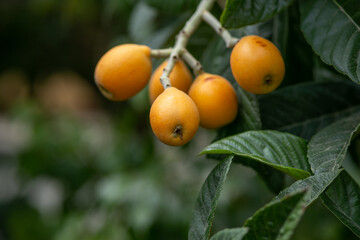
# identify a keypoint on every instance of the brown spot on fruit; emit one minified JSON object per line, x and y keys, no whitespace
{"x":208,"y":78}
{"x":261,"y":43}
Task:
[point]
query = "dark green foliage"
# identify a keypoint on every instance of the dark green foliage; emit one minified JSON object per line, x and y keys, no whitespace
{"x":98,"y":172}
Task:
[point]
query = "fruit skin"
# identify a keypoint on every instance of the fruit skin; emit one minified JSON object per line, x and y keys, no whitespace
{"x":257,"y":64}
{"x":123,"y":71}
{"x":174,"y":117}
{"x":180,"y":77}
{"x":215,"y":99}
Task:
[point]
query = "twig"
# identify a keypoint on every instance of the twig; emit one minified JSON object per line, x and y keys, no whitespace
{"x":193,"y":62}
{"x":215,"y":24}
{"x":183,"y":38}
{"x":160,"y":53}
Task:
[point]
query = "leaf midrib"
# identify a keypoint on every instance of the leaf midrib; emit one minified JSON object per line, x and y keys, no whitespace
{"x":346,"y":14}
{"x":339,"y":209}
{"x":341,"y":153}
{"x":262,"y":160}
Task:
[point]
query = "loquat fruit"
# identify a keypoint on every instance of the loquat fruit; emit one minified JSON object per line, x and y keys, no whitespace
{"x":123,"y":71}
{"x":257,"y":64}
{"x":215,"y":99}
{"x":174,"y":117}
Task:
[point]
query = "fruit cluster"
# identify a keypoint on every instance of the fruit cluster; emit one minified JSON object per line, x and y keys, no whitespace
{"x":209,"y":101}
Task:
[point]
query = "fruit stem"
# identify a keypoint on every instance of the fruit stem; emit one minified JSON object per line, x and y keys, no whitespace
{"x":193,"y":62}
{"x":216,"y":25}
{"x":183,"y":38}
{"x":160,"y":53}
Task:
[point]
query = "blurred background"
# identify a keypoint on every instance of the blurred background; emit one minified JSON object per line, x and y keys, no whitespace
{"x":74,"y":165}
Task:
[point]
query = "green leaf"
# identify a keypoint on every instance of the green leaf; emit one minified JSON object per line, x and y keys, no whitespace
{"x":281,"y":31}
{"x":342,"y":198}
{"x":206,"y":203}
{"x":298,"y":52}
{"x":347,"y":6}
{"x":239,"y":13}
{"x":230,"y":234}
{"x":332,"y":29}
{"x":326,"y":73}
{"x":327,"y":148}
{"x":304,"y":109}
{"x":281,"y":151}
{"x":316,"y":184}
{"x":278,"y":219}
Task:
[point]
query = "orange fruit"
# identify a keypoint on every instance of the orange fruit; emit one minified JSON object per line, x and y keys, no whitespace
{"x":174,"y":117}
{"x":123,"y":71}
{"x":257,"y":65}
{"x":180,"y":77}
{"x":215,"y":99}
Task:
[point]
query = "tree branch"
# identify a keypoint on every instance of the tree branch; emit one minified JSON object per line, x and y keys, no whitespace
{"x":160,"y":53}
{"x":215,"y":24}
{"x":193,"y":62}
{"x":183,"y":38}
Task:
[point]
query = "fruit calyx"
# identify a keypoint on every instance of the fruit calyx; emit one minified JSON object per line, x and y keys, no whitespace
{"x":268,"y":80}
{"x":178,"y":132}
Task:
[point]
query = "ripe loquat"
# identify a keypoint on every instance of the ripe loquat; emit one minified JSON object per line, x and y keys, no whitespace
{"x":123,"y":71}
{"x":215,"y":99}
{"x":174,"y":117}
{"x":257,"y":64}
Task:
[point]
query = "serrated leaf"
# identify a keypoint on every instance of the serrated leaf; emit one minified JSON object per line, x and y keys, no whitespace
{"x":349,"y":8}
{"x":327,"y":148}
{"x":239,"y":13}
{"x":230,"y":234}
{"x":316,"y":184}
{"x":278,"y":219}
{"x":306,"y":108}
{"x":337,"y":38}
{"x":282,"y":151}
{"x":342,"y":198}
{"x":206,"y":202}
